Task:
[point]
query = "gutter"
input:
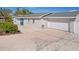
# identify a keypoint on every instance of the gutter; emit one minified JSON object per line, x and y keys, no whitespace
{"x":59,"y":17}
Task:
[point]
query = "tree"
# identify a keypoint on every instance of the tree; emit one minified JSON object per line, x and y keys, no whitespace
{"x":5,"y":12}
{"x":17,"y":11}
{"x":22,"y":11}
{"x":8,"y":26}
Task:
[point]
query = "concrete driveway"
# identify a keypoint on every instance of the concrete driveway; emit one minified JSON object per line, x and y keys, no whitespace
{"x":38,"y":39}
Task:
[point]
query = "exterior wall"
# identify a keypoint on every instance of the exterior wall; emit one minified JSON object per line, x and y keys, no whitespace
{"x":40,"y":22}
{"x":44,"y":22}
{"x":76,"y":27}
{"x":16,"y":21}
{"x":60,"y":26}
{"x":25,"y":22}
{"x":30,"y":21}
{"x":72,"y":27}
{"x":37,"y":22}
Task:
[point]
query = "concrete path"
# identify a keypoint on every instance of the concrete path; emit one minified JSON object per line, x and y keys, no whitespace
{"x":38,"y":39}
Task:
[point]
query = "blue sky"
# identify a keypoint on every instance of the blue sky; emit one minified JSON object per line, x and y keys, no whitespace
{"x":48,"y":9}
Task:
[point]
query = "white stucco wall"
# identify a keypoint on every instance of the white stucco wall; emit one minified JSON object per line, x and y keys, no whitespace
{"x":39,"y":23}
{"x":56,"y":25}
{"x":36,"y":23}
{"x":30,"y":21}
{"x":76,"y":27}
{"x":16,"y":21}
{"x":25,"y":22}
{"x":43,"y":22}
{"x":72,"y":27}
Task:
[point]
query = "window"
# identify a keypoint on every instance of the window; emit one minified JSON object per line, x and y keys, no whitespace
{"x":21,"y":21}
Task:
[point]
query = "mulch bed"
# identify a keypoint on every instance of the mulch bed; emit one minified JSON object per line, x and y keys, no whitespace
{"x":2,"y":34}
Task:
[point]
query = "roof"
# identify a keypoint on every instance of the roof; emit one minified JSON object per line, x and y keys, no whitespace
{"x":51,"y":15}
{"x":35,"y":15}
{"x":63,"y":14}
{"x":56,"y":17}
{"x":62,"y":17}
{"x":64,"y":20}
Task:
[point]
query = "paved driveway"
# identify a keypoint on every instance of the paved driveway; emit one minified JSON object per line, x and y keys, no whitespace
{"x":37,"y":39}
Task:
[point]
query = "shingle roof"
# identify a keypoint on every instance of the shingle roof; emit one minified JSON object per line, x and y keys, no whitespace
{"x":64,"y":14}
{"x":35,"y":15}
{"x":62,"y":17}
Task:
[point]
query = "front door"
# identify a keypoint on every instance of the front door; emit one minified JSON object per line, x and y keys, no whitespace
{"x":21,"y":21}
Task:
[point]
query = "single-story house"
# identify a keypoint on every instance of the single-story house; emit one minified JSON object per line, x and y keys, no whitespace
{"x":67,"y":21}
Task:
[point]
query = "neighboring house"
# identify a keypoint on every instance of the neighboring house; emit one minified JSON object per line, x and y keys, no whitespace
{"x":67,"y":21}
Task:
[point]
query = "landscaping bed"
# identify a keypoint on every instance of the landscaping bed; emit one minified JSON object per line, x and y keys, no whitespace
{"x":4,"y":33}
{"x":7,"y":28}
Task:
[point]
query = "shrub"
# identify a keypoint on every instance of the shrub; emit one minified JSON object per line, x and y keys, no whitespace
{"x":2,"y":25}
{"x":8,"y":27}
{"x":2,"y":31}
{"x":9,"y":19}
{"x":2,"y":28}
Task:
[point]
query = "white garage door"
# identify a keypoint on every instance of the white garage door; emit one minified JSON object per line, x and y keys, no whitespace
{"x":60,"y":26}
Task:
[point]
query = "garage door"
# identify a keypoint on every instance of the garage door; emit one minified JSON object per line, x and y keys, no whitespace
{"x":56,"y":25}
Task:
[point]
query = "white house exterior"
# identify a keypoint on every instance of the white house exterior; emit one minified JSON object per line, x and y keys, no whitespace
{"x":67,"y":21}
{"x":75,"y":25}
{"x":33,"y":19}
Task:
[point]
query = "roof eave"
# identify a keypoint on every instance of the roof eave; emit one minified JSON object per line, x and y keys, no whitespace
{"x":59,"y":17}
{"x":27,"y":17}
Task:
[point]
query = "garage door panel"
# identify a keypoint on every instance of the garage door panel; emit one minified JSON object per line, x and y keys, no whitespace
{"x":60,"y":26}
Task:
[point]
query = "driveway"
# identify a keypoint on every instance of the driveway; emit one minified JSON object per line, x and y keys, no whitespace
{"x":38,"y":39}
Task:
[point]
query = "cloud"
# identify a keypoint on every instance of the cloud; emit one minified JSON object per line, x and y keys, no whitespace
{"x":72,"y":10}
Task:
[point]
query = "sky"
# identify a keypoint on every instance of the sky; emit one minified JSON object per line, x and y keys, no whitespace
{"x":48,"y":9}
